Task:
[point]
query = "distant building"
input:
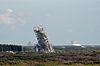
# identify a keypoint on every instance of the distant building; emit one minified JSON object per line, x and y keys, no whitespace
{"x":76,"y":43}
{"x":43,"y":44}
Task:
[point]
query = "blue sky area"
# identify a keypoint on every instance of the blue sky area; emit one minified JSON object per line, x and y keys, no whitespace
{"x":64,"y":20}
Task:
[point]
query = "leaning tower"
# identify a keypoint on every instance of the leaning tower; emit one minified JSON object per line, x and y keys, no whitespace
{"x":43,"y":45}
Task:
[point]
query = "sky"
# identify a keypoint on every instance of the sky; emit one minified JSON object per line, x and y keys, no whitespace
{"x":64,"y":21}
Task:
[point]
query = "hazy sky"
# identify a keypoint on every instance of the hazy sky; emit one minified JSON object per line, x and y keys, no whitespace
{"x":65,"y":20}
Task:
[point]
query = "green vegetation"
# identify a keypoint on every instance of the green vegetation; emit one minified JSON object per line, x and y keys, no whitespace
{"x":62,"y":57}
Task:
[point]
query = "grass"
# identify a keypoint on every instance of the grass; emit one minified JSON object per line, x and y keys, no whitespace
{"x":50,"y":64}
{"x":73,"y":58}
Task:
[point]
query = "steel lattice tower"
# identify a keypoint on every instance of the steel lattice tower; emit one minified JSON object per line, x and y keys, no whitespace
{"x":43,"y":43}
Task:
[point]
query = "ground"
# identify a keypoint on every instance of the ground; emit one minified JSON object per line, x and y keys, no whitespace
{"x":62,"y":57}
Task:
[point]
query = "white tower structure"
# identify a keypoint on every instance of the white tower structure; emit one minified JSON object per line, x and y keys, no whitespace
{"x":43,"y":44}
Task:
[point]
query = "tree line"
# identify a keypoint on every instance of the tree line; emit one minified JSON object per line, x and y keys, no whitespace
{"x":4,"y":47}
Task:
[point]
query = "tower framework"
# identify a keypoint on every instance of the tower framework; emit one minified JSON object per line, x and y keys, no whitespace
{"x":43,"y":43}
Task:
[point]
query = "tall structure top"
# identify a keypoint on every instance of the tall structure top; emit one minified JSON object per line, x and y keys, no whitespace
{"x":43,"y":42}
